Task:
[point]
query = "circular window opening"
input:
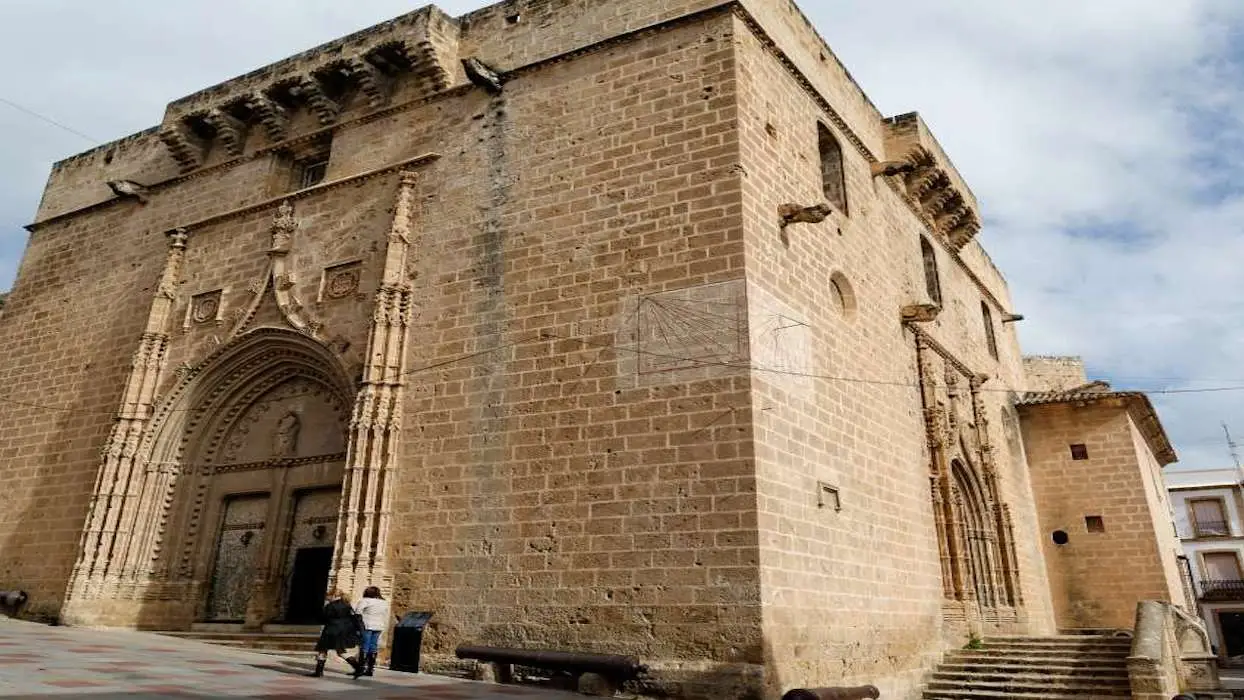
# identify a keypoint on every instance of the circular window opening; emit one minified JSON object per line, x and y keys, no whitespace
{"x":1060,"y":537}
{"x":841,"y":294}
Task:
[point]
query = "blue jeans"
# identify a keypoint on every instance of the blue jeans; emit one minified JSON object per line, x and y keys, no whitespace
{"x":371,"y":641}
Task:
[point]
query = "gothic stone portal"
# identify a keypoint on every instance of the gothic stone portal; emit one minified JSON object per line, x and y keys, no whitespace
{"x":273,"y":488}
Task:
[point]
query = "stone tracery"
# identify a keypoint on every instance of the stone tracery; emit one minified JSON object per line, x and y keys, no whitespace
{"x":974,"y":530}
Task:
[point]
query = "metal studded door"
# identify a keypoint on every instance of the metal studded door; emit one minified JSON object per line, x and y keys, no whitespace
{"x":237,"y":553}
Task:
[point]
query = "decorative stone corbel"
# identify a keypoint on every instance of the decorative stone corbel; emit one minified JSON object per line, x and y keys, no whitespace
{"x":963,"y":232}
{"x":326,"y":110}
{"x":799,"y":214}
{"x":273,"y":116}
{"x":229,"y":129}
{"x":373,"y":83}
{"x":187,"y":148}
{"x":920,"y":313}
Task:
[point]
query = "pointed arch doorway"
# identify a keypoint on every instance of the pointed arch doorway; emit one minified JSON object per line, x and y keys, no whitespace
{"x":980,"y":557}
{"x":251,"y":517}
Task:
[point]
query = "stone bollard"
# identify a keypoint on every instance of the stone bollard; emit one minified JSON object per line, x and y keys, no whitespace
{"x":857,"y":693}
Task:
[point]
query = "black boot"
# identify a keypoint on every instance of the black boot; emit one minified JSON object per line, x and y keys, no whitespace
{"x":319,"y":669}
{"x":359,"y":666}
{"x":371,"y":665}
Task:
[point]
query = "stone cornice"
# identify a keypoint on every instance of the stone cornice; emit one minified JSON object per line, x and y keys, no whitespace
{"x":414,"y":162}
{"x":733,"y":6}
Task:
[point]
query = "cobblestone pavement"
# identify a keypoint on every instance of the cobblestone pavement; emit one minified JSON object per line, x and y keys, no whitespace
{"x":43,"y":662}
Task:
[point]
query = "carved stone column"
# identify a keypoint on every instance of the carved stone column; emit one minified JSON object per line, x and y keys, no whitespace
{"x":1005,"y":537}
{"x":939,"y":470}
{"x":115,"y":505}
{"x":375,"y":426}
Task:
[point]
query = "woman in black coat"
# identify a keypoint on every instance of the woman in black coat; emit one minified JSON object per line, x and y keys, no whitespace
{"x":341,"y":631}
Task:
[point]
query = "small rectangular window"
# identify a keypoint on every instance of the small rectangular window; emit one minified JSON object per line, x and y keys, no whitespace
{"x":1079,"y":452}
{"x":1209,"y":518}
{"x":312,"y":174}
{"x":1094,"y":523}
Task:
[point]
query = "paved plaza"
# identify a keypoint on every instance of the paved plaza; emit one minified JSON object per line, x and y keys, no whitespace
{"x":37,"y":661}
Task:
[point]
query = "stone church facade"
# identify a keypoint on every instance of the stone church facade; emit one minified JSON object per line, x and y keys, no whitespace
{"x":631,"y":331}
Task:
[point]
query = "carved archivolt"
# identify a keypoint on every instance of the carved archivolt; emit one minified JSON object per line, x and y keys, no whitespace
{"x":181,"y":447}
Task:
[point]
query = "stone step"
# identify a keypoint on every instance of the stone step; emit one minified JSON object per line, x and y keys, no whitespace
{"x":1038,"y":686}
{"x":1031,"y":677}
{"x":1107,"y":670}
{"x":1033,"y":657}
{"x":1059,"y":638}
{"x":237,"y":640}
{"x":975,"y":694}
{"x":1067,"y":646}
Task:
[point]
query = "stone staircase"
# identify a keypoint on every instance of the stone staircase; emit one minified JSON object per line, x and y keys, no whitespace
{"x":275,"y":640}
{"x":1039,"y":668}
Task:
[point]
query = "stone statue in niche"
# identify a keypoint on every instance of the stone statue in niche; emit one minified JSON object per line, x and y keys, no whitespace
{"x":285,"y":438}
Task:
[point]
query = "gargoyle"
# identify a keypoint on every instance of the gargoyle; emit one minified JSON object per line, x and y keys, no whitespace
{"x":482,"y":75}
{"x":128,"y":189}
{"x":796,"y":214}
{"x":892,"y":167}
{"x":920,"y":313}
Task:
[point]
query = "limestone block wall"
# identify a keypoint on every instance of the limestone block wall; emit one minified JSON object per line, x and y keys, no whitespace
{"x":1097,"y":578}
{"x":70,"y":326}
{"x":1054,"y":373}
{"x":1162,"y":518}
{"x":853,"y":596}
{"x":631,"y":397}
{"x":572,"y":475}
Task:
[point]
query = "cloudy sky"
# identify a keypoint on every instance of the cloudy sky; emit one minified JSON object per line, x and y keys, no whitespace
{"x":1099,"y":136}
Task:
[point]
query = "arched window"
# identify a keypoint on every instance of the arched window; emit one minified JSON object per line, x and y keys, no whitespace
{"x":991,"y":341}
{"x":932,"y":283}
{"x":833,"y":179}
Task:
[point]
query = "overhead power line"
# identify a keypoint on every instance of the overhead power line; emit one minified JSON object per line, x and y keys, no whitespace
{"x":548,"y":336}
{"x":50,"y":120}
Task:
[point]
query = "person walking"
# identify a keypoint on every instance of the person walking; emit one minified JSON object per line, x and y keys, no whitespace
{"x":374,"y":610}
{"x":341,"y":631}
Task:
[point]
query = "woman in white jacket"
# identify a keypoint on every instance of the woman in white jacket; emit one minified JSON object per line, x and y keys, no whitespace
{"x":374,"y":610}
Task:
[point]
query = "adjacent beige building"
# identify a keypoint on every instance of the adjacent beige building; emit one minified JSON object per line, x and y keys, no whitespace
{"x":616,"y":326}
{"x":1096,"y":458}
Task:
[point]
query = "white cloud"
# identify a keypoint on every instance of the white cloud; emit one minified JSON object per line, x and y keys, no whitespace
{"x":1098,"y":137}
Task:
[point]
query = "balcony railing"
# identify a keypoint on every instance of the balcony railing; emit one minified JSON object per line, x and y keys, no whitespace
{"x":1212,"y":528}
{"x":1224,"y":589}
